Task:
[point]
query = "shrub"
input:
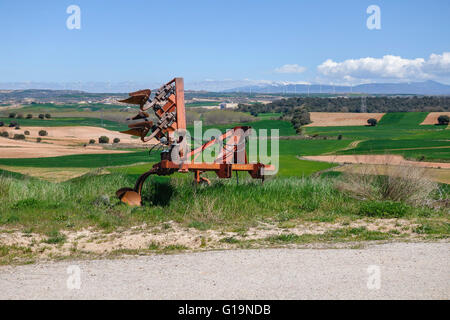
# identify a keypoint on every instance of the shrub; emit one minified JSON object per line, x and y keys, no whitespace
{"x":103,"y":139}
{"x":116,"y":140}
{"x":372,"y":122}
{"x":443,"y":120}
{"x":41,"y":116}
{"x":4,"y":134}
{"x":48,"y":116}
{"x":27,"y":133}
{"x":43,"y":133}
{"x":38,"y":139}
{"x":396,"y":183}
{"x":19,"y":136}
{"x":12,"y":115}
{"x":91,"y":141}
{"x":29,"y":116}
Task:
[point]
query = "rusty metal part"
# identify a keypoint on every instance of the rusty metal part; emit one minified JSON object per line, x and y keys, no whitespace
{"x":168,"y":106}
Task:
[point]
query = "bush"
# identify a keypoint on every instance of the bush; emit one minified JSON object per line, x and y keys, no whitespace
{"x":29,"y":116}
{"x":116,"y":140}
{"x":12,"y":115}
{"x":396,"y":183}
{"x":43,"y":133}
{"x":41,"y":116}
{"x":27,"y":133}
{"x":372,"y":122}
{"x":4,"y":134}
{"x":38,"y":139}
{"x":91,"y":141}
{"x":103,"y":139}
{"x":19,"y":136}
{"x":443,"y":120}
{"x":48,"y":116}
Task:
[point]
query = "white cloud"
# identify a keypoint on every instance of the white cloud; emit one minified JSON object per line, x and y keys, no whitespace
{"x":290,"y":68}
{"x":387,"y":67}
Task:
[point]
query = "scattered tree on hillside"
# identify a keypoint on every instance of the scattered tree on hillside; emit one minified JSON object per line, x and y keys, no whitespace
{"x":29,"y":116}
{"x":43,"y":133}
{"x":372,"y":122}
{"x":41,"y":116}
{"x":443,"y":120}
{"x":48,"y":116}
{"x":12,"y":115}
{"x":116,"y":140}
{"x":300,"y":117}
{"x":91,"y":141}
{"x":19,"y":136}
{"x":103,"y":139}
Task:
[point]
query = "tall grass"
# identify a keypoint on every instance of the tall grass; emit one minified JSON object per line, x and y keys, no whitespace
{"x":90,"y":201}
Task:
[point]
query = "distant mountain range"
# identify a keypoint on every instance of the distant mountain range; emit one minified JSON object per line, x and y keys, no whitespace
{"x":247,"y":86}
{"x":425,"y":88}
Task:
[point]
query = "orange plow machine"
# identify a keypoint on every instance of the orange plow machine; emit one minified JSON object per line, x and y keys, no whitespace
{"x":168,"y":105}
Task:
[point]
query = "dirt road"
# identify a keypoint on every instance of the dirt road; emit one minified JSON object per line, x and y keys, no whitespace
{"x":389,"y":271}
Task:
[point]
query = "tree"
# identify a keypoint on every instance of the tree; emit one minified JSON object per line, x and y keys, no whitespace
{"x":372,"y":122}
{"x":41,"y":116}
{"x":103,"y":139}
{"x":27,"y":133}
{"x":443,"y":120}
{"x":300,"y":117}
{"x":18,"y":136}
{"x":29,"y":116}
{"x":12,"y":115}
{"x":91,"y":141}
{"x":1,"y":124}
{"x":48,"y":116}
{"x":116,"y":140}
{"x":38,"y":139}
{"x":12,"y":124}
{"x":43,"y":133}
{"x":4,"y":134}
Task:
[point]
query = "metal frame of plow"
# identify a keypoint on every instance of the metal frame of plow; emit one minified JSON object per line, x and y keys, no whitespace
{"x":168,"y":106}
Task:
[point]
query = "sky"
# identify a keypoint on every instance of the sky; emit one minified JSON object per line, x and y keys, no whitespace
{"x":213,"y":40}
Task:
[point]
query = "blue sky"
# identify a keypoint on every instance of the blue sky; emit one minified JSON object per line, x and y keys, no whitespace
{"x":247,"y":39}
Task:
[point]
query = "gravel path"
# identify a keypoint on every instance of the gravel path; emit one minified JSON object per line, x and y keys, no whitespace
{"x":406,"y":271}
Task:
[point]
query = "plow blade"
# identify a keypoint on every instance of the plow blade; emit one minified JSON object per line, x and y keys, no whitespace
{"x":129,"y":196}
{"x":139,"y":97}
{"x":134,"y":132}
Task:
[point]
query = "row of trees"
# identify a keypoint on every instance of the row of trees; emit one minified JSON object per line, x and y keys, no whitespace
{"x":344,"y":104}
{"x":41,"y":116}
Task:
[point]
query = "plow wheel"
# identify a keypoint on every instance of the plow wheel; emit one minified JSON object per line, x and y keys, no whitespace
{"x":131,"y":196}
